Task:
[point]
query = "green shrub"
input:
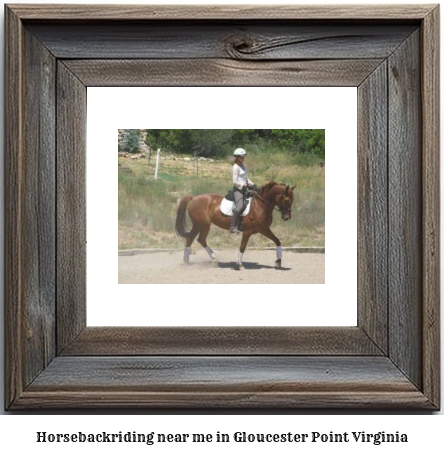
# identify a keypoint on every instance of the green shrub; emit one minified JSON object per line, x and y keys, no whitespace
{"x":219,"y":143}
{"x":131,"y":141}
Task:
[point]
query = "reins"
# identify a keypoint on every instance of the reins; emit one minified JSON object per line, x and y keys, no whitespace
{"x":275,"y":207}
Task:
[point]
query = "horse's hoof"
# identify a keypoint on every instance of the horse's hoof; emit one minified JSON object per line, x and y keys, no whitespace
{"x":278,"y":264}
{"x":215,"y":263}
{"x":239,"y":267}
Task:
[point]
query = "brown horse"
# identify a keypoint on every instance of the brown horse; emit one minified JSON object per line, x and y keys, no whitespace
{"x":205,"y":210}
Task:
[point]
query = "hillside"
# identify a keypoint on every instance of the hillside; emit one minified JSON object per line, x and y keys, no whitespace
{"x":147,"y":207}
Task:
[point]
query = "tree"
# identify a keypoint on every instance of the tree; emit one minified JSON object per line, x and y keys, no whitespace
{"x":211,"y":143}
{"x":219,"y":143}
{"x":131,"y":141}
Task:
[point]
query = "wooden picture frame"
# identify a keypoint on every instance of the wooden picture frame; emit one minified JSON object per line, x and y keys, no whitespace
{"x":390,"y":360}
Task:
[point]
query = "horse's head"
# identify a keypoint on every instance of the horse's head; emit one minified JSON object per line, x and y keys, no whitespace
{"x":284,"y":202}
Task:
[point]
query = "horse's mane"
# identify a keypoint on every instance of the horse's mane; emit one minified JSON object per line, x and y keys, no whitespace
{"x":265,"y":188}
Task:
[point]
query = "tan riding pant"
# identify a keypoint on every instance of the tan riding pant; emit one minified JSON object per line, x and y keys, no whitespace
{"x":238,"y":199}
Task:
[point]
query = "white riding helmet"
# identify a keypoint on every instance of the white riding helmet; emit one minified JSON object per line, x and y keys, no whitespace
{"x":240,"y":152}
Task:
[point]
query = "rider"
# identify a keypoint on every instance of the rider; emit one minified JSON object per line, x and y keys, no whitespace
{"x":241,"y":183}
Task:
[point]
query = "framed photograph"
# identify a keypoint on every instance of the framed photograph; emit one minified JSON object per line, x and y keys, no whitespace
{"x":153,"y":182}
{"x":57,"y":56}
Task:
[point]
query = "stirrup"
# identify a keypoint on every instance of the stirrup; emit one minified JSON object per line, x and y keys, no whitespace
{"x":234,"y":230}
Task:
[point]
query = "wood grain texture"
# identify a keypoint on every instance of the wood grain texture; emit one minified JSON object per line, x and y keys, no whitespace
{"x":220,"y":12}
{"x":372,"y":207}
{"x":405,"y":209}
{"x":225,"y":400}
{"x":235,"y":40}
{"x":431,"y":205}
{"x":233,"y":382}
{"x":205,"y":72}
{"x":407,"y":378}
{"x":210,"y":373}
{"x":71,"y":206}
{"x":39,"y":207}
{"x":126,"y":341}
{"x":13,"y":209}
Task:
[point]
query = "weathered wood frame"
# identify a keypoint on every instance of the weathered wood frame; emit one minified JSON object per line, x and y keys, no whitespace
{"x":390,"y":360}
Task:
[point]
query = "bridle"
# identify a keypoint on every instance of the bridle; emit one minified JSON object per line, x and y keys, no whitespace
{"x":276,"y":206}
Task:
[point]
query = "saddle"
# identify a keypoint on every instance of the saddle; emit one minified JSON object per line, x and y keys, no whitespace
{"x":227,"y":206}
{"x":230,"y":195}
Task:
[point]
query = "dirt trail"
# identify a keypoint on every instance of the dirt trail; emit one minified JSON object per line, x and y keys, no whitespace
{"x":168,"y":267}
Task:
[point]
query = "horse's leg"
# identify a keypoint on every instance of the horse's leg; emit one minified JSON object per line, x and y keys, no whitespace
{"x":270,"y":235}
{"x":202,"y":239}
{"x":245,"y":237}
{"x":189,"y":240}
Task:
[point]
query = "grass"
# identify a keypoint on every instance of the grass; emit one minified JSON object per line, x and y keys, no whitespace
{"x":147,"y":207}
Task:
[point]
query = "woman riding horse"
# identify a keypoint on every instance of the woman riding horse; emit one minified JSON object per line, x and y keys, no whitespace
{"x":240,"y":185}
{"x":205,"y":210}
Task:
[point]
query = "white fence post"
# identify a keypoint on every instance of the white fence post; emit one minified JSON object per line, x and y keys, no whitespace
{"x":157,"y":163}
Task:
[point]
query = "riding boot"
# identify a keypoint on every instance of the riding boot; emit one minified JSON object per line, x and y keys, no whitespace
{"x":234,"y":222}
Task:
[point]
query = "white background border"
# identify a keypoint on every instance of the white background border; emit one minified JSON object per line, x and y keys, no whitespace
{"x":331,"y":108}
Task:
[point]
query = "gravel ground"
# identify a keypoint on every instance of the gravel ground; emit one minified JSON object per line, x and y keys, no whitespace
{"x":168,"y":267}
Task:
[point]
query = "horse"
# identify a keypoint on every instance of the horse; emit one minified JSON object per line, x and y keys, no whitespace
{"x":204,"y":210}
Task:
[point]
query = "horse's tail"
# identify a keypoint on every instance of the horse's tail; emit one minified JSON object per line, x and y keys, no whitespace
{"x":181,"y":228}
